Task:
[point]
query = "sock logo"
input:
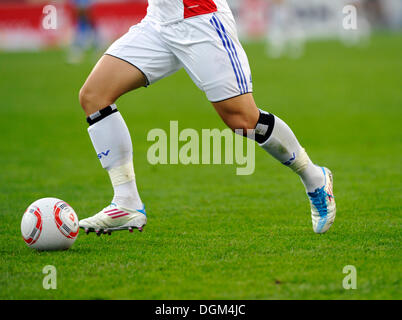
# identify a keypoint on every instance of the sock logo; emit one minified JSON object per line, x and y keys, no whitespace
{"x":286,"y":163}
{"x":103,"y":154}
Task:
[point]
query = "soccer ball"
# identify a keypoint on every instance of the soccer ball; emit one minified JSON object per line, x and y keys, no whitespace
{"x":49,"y":224}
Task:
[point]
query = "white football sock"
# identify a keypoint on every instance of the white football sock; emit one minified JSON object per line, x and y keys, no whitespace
{"x":112,"y":142}
{"x":282,"y":144}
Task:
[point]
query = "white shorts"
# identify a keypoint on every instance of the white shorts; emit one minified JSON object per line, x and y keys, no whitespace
{"x":206,"y":46}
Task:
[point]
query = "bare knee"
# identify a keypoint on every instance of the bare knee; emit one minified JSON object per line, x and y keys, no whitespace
{"x":92,"y":100}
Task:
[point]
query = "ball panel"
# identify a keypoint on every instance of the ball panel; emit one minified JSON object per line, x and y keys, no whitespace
{"x":66,"y":219}
{"x":31,"y":225}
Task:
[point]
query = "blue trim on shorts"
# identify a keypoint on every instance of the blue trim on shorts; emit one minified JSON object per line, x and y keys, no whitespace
{"x":235,"y":51}
{"x":226,"y":45}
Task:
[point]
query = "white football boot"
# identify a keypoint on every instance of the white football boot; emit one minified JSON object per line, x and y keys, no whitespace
{"x":114,"y":218}
{"x":322,"y":201}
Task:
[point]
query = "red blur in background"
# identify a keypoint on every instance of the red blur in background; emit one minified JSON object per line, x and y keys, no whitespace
{"x":22,"y":23}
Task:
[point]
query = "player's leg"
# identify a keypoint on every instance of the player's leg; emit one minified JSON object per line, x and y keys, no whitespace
{"x":137,"y":59}
{"x":275,"y":137}
{"x":272,"y":134}
{"x":222,"y":71}
{"x":111,"y":78}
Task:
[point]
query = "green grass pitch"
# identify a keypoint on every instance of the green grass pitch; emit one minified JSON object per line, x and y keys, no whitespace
{"x":212,"y":234}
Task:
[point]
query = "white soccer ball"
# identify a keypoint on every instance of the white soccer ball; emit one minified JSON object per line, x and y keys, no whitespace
{"x":49,"y":224}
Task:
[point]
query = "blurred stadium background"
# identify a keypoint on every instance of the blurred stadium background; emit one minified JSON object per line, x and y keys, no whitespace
{"x":284,"y":24}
